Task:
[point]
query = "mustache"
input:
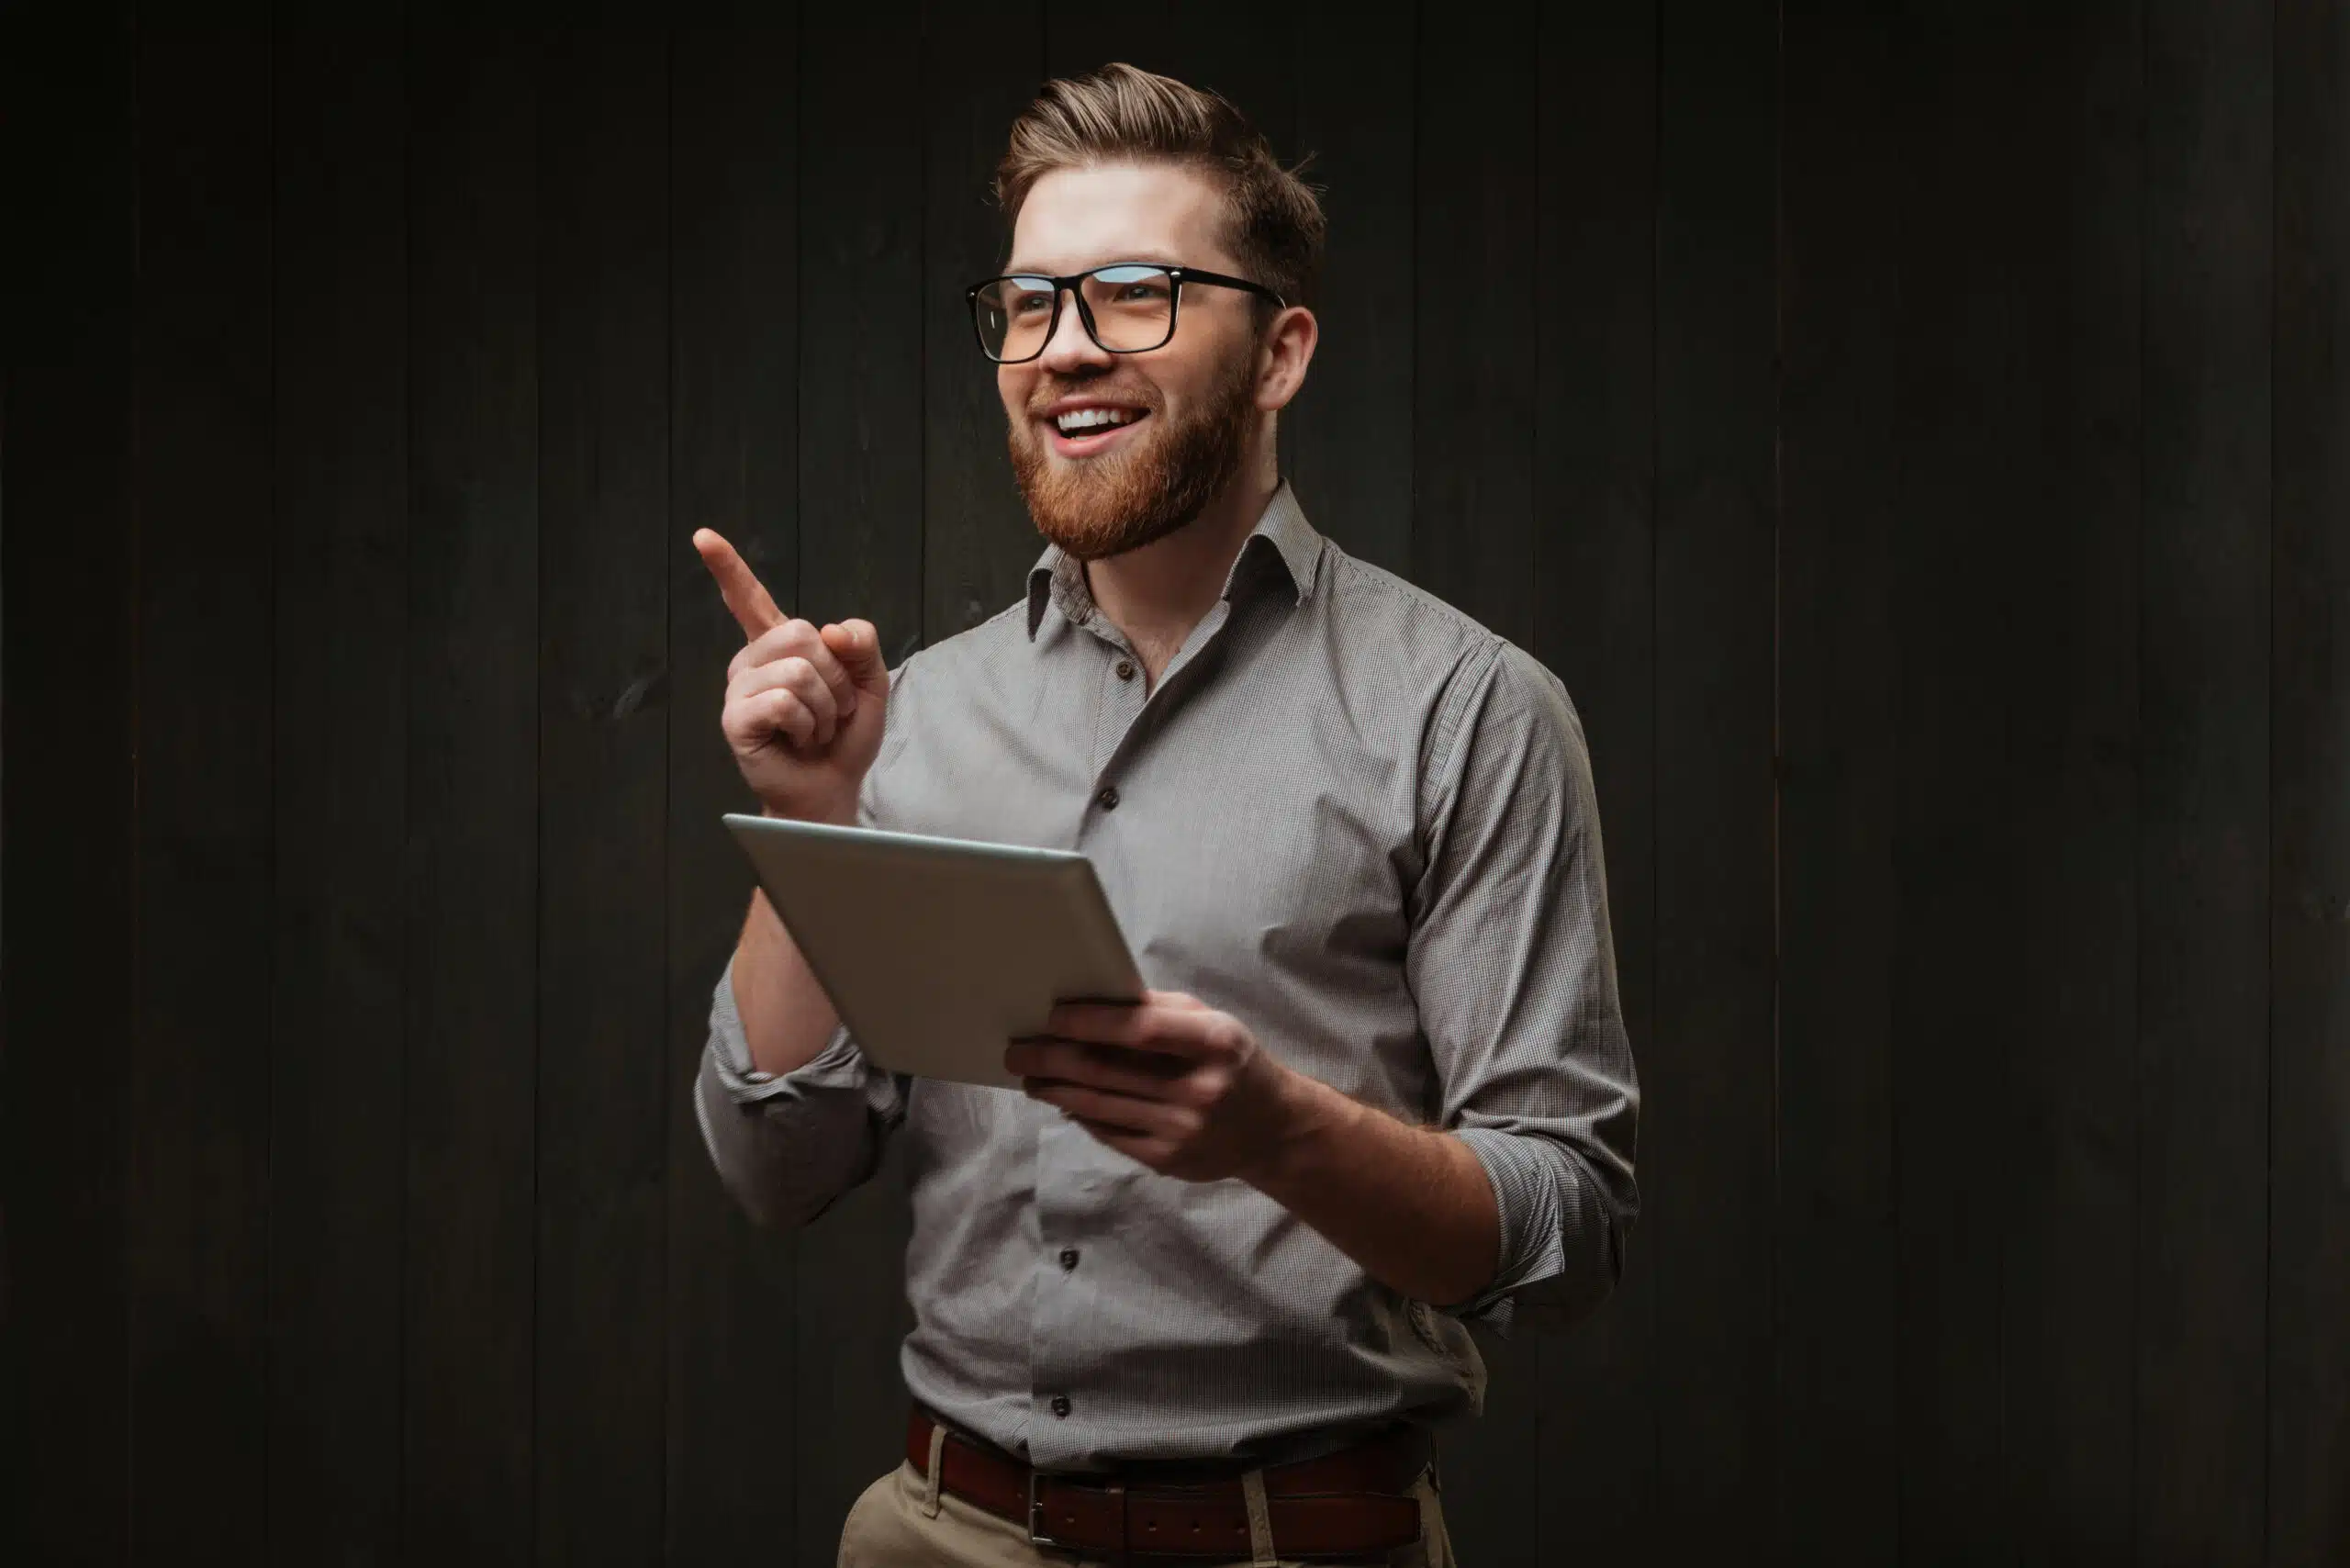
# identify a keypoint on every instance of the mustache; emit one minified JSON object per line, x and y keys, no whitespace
{"x":1049,"y":393}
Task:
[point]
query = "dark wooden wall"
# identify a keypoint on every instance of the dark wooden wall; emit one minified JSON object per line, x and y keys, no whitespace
{"x":1919,"y":435}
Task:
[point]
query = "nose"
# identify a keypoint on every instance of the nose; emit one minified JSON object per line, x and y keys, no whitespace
{"x":1071,"y":348}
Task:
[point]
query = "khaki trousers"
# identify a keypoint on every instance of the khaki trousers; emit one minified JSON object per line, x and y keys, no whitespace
{"x":903,"y":1520}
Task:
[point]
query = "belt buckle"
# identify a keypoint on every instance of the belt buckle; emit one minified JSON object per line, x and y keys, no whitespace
{"x":1037,"y":1537}
{"x":1035,"y":1511}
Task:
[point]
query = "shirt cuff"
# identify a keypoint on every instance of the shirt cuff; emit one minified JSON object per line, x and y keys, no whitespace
{"x":1526,"y":1178}
{"x":839,"y":1065}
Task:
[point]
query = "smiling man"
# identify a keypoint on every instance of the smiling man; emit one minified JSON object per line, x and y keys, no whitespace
{"x":1201,"y":1293}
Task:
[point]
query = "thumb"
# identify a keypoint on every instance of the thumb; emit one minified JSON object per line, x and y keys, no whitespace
{"x":859,"y":647}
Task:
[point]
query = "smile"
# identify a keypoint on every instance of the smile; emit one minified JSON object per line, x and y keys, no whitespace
{"x":1078,"y":432}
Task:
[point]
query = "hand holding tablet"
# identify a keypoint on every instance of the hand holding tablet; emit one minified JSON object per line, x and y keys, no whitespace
{"x":939,"y":952}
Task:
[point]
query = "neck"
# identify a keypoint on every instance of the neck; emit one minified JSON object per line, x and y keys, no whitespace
{"x":1156,"y":594}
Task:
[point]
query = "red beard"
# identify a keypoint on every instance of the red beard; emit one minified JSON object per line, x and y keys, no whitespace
{"x":1108,"y":505}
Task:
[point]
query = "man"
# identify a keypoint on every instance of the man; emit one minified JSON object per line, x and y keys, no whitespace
{"x":1203,"y":1287}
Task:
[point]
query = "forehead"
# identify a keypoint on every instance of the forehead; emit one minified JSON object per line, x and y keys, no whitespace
{"x":1075,"y":218}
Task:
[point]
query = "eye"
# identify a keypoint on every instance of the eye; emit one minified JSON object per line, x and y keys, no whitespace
{"x":1032,"y":304}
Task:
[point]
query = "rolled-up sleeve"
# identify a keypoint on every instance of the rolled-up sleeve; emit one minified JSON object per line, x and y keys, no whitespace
{"x":1513,"y":969}
{"x":788,"y":1145}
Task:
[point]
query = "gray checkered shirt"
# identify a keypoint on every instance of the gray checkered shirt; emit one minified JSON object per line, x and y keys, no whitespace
{"x":1360,"y":824}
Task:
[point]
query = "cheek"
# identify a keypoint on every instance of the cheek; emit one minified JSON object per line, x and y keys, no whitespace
{"x":1013,"y":383}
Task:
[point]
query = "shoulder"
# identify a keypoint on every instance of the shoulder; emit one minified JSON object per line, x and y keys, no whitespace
{"x":971,"y":653}
{"x":1471,"y":678}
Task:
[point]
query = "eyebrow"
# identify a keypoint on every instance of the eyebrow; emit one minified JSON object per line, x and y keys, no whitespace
{"x":1012,"y":269}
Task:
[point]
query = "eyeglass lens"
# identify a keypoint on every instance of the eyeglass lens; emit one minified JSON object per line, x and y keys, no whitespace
{"x":1133,"y":307}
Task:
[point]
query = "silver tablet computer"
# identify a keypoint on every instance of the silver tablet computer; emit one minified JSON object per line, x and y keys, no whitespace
{"x":939,"y":952}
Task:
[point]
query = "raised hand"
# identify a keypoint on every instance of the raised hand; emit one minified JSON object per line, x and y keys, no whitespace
{"x":804,"y":703}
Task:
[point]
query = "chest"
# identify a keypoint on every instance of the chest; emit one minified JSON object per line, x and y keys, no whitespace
{"x":1254,"y":831}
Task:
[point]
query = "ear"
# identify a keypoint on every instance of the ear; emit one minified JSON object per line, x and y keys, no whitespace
{"x":1282,"y":354}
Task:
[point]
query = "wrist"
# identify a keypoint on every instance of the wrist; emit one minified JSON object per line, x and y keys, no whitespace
{"x":832,"y":817}
{"x":1310,"y":1117}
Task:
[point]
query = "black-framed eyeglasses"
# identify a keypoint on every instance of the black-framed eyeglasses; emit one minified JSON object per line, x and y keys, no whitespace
{"x":1127,"y":307}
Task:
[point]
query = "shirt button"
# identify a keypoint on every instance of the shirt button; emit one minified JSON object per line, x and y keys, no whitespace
{"x":1068,"y":1257}
{"x":1125,"y":669}
{"x":1108,"y":798}
{"x":1060,"y":1405}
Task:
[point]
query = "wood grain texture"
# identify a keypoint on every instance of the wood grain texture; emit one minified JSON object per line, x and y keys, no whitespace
{"x":2067,"y":506}
{"x":1708,"y":1124}
{"x":1595,"y":557}
{"x":1837,"y":1438}
{"x":2198,"y":1480}
{"x":1476,"y":189}
{"x":1347,"y":439}
{"x":468,"y":1267}
{"x":197,"y":1190}
{"x":980,"y":70}
{"x":1955,"y":954}
{"x":69,"y":930}
{"x":2308,"y":920}
{"x":603,"y":684}
{"x":337,"y":1051}
{"x":733,"y":402}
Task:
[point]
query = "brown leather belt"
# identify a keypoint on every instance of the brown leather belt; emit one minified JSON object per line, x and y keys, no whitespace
{"x":1356,"y":1502}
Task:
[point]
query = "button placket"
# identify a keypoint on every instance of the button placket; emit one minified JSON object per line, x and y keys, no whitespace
{"x":1068,"y":1200}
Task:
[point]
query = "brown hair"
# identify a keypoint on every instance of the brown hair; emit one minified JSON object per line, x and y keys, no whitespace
{"x":1122,"y":114}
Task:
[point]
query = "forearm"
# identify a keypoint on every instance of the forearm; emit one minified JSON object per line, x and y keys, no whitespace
{"x":788,"y":1144}
{"x":1413,"y":1205}
{"x":786,"y":1015}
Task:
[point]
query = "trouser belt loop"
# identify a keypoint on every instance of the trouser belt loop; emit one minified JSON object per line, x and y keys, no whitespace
{"x":931,"y":1472}
{"x":1260,"y":1520}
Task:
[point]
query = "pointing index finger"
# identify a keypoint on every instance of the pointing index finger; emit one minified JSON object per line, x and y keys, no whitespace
{"x":745,"y":596}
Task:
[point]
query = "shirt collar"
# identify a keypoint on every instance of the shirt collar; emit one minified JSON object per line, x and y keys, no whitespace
{"x":1281,"y":532}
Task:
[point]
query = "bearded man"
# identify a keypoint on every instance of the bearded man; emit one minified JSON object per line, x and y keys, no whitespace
{"x":1201,"y":1293}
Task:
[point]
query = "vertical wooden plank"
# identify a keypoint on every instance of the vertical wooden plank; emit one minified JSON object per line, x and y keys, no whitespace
{"x":1954,"y":956}
{"x":979,"y":70}
{"x":1473,"y":302}
{"x":861,"y":489}
{"x":337,"y":1051}
{"x":1078,"y":39}
{"x":2071,"y":223}
{"x":735,"y":466}
{"x":1838,"y":688}
{"x":2309,"y":1175}
{"x":1348,"y":438}
{"x":68,"y":915}
{"x":1241,"y":50}
{"x":473,"y":863}
{"x":603,"y":290}
{"x":2202,"y":1071}
{"x":1707,"y":1132}
{"x":1595,"y":544}
{"x":198,"y":1070}
{"x":1472,"y":545}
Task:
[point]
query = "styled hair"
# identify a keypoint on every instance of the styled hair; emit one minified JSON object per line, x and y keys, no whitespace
{"x":1123,"y":113}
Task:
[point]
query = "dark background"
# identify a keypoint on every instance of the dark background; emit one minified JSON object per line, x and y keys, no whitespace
{"x":1919,"y":435}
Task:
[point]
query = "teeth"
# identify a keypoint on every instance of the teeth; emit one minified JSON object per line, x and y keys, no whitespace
{"x":1086,"y":419}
